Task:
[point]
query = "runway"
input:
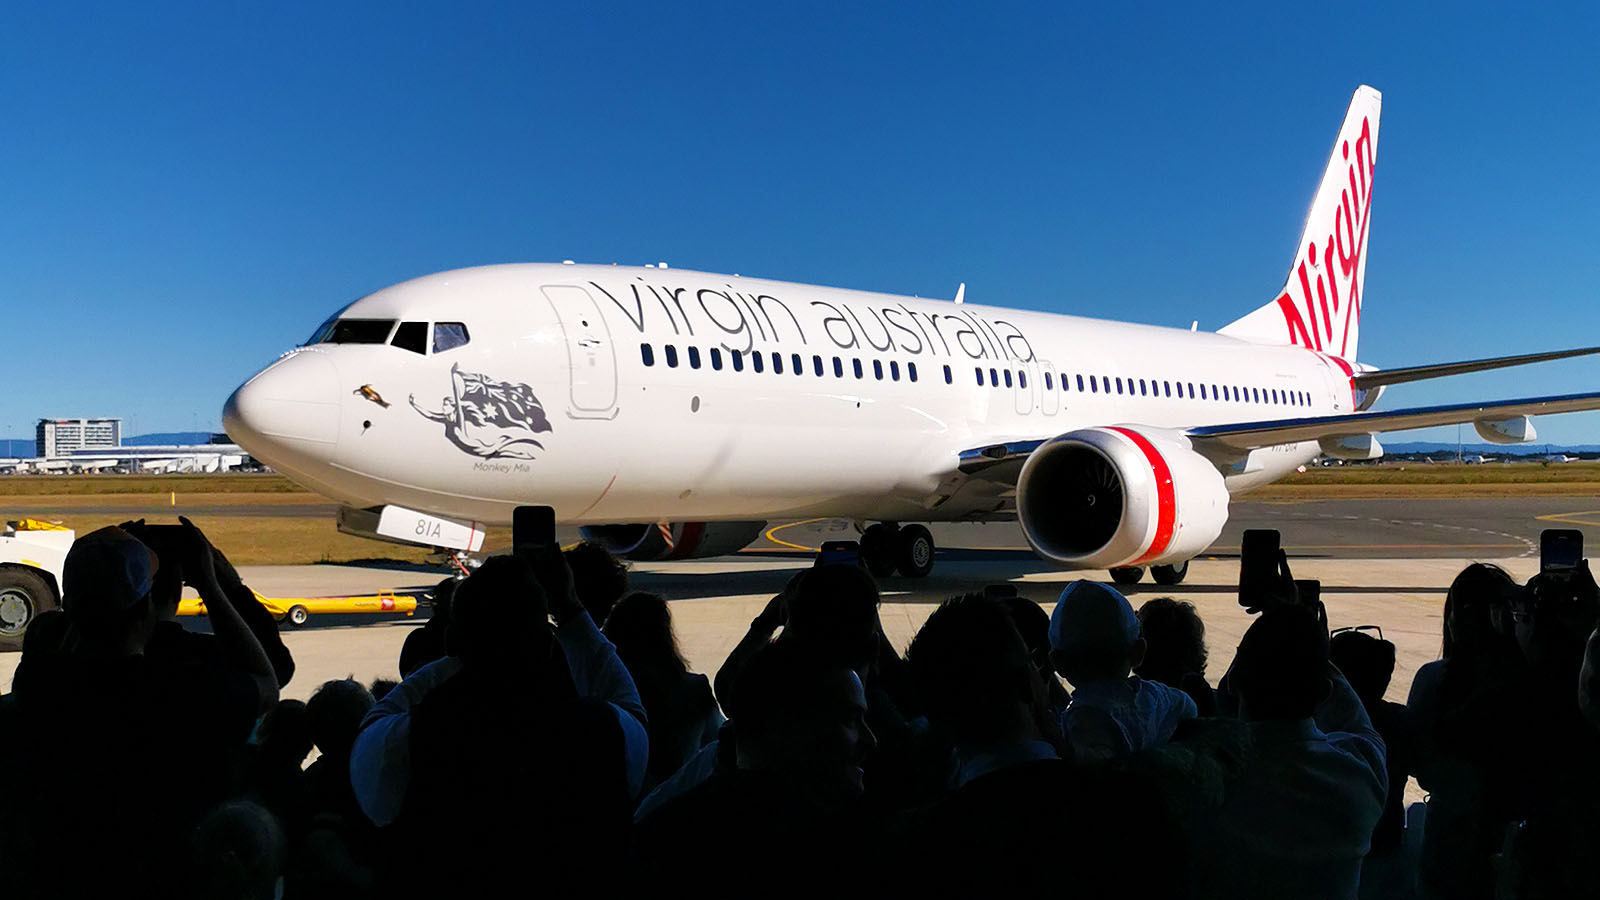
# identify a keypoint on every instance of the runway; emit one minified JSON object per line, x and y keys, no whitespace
{"x":1388,"y":528}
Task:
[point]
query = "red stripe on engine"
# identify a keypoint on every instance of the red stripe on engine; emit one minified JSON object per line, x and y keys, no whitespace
{"x":1166,"y":499}
{"x":688,"y":541}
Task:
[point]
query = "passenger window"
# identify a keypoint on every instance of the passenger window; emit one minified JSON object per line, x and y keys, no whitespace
{"x":911,"y":371}
{"x":1022,"y":379}
{"x":1119,"y":385}
{"x":856,"y":365}
{"x":1049,"y":383}
{"x":994,"y":378}
{"x":1008,"y":378}
{"x":1093,"y":389}
{"x":1167,"y":387}
{"x":978,"y":372}
{"x":716,"y":359}
{"x":1202,"y":392}
{"x":777,"y":363}
{"x":361,"y":331}
{"x":411,"y":336}
{"x":647,"y":354}
{"x":816,"y":364}
{"x":737,"y":359}
{"x":1142,"y":391}
{"x":877,"y":369}
{"x":1105,"y":384}
{"x":797,"y":364}
{"x":672,"y":356}
{"x":949,"y":377}
{"x":894,"y":370}
{"x":838,"y":368}
{"x":694,"y":357}
{"x":449,"y":335}
{"x":1080,"y":383}
{"x":755,"y":360}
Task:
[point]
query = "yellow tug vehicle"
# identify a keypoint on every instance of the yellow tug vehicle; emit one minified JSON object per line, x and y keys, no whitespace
{"x":297,"y":611}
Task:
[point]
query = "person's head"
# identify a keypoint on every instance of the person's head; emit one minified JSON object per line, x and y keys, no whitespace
{"x":1281,"y":668}
{"x":801,"y":714}
{"x":1475,"y":598}
{"x":237,"y":853}
{"x":499,"y":617}
{"x":640,"y":626}
{"x":105,"y":585}
{"x":1033,"y":623}
{"x":974,"y":675}
{"x":599,"y":578}
{"x":835,"y":608}
{"x":1174,"y":640}
{"x":381,"y":687}
{"x":335,"y":712}
{"x":1366,"y":661}
{"x":284,"y":734}
{"x":1094,"y":635}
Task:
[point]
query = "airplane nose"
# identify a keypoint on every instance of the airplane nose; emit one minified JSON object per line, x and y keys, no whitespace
{"x":291,"y":409}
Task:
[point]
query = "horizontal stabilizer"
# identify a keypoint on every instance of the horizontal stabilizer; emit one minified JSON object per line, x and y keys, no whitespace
{"x":1250,"y":435}
{"x":1367,"y":380}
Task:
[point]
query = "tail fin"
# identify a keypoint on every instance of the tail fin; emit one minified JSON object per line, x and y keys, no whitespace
{"x":1320,"y":305}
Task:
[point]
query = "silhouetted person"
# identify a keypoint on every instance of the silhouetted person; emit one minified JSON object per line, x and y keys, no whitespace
{"x":1175,"y":649}
{"x":237,"y":852}
{"x":500,"y":757}
{"x":274,"y":761}
{"x":789,"y":809}
{"x":683,"y":716}
{"x":1367,"y":663}
{"x":1300,"y":819}
{"x":599,"y":578}
{"x":1033,"y":623}
{"x":141,"y":747}
{"x":1095,"y":645}
{"x":426,"y":644}
{"x":1472,"y":717}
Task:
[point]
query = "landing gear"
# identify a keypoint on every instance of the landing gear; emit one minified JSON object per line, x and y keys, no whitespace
{"x":1127,"y":574}
{"x":887,"y":547}
{"x":916,"y":551}
{"x":879,"y":546}
{"x":1170,"y":574}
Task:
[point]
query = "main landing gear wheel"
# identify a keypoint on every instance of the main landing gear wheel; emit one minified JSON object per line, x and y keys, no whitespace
{"x":1127,"y":574}
{"x":23,"y":595}
{"x":880,"y":545}
{"x":916,"y":551}
{"x":1170,"y":574}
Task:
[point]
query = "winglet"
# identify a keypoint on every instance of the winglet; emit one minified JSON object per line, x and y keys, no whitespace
{"x":961,"y":292}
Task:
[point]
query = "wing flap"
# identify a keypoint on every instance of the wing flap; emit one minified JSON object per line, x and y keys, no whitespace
{"x":1250,"y":435}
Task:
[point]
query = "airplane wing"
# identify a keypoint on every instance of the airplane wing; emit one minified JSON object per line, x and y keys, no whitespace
{"x":1381,"y":377}
{"x":1250,"y":435}
{"x":1002,"y":462}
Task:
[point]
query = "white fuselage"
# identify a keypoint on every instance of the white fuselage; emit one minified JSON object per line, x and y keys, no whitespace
{"x":552,"y":401}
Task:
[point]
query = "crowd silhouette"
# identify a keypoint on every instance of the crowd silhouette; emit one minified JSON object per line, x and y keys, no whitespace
{"x":548,"y":737}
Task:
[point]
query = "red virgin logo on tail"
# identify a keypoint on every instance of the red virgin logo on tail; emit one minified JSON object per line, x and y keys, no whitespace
{"x":1314,"y":318}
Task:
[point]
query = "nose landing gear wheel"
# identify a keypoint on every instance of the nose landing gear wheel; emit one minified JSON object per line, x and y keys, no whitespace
{"x":879,"y":548}
{"x":1127,"y":574}
{"x":916,"y":551}
{"x":1170,"y":574}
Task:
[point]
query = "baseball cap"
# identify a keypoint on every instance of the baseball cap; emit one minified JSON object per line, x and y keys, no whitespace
{"x":1090,"y":613}
{"x":106,"y":573}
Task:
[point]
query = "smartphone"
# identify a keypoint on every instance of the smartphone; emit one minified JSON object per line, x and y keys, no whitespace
{"x":1309,"y":590}
{"x":533,"y":528}
{"x":1258,"y":566}
{"x":166,"y":541}
{"x":1560,"y":549}
{"x":839,"y":552}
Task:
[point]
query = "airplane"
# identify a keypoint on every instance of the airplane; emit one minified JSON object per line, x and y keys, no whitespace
{"x":672,"y":413}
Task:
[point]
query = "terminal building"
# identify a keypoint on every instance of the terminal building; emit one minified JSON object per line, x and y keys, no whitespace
{"x":58,"y":437}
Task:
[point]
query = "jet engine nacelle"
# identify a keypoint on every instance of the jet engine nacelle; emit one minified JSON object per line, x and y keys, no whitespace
{"x":674,"y":540}
{"x":1119,"y":496}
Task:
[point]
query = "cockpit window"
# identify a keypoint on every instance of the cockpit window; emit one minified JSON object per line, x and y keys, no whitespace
{"x":360,"y":331}
{"x":448,"y":336}
{"x":411,"y":336}
{"x":321,"y":334}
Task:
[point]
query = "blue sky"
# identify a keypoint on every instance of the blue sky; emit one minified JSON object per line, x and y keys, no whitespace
{"x":187,"y":190}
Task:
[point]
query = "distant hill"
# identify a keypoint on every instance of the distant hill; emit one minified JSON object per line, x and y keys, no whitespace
{"x":1534,"y":449}
{"x":170,"y":437}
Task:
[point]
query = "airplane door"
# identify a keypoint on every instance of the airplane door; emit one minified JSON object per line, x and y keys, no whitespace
{"x":1051,"y":387}
{"x":591,"y":360}
{"x":1027,"y":382}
